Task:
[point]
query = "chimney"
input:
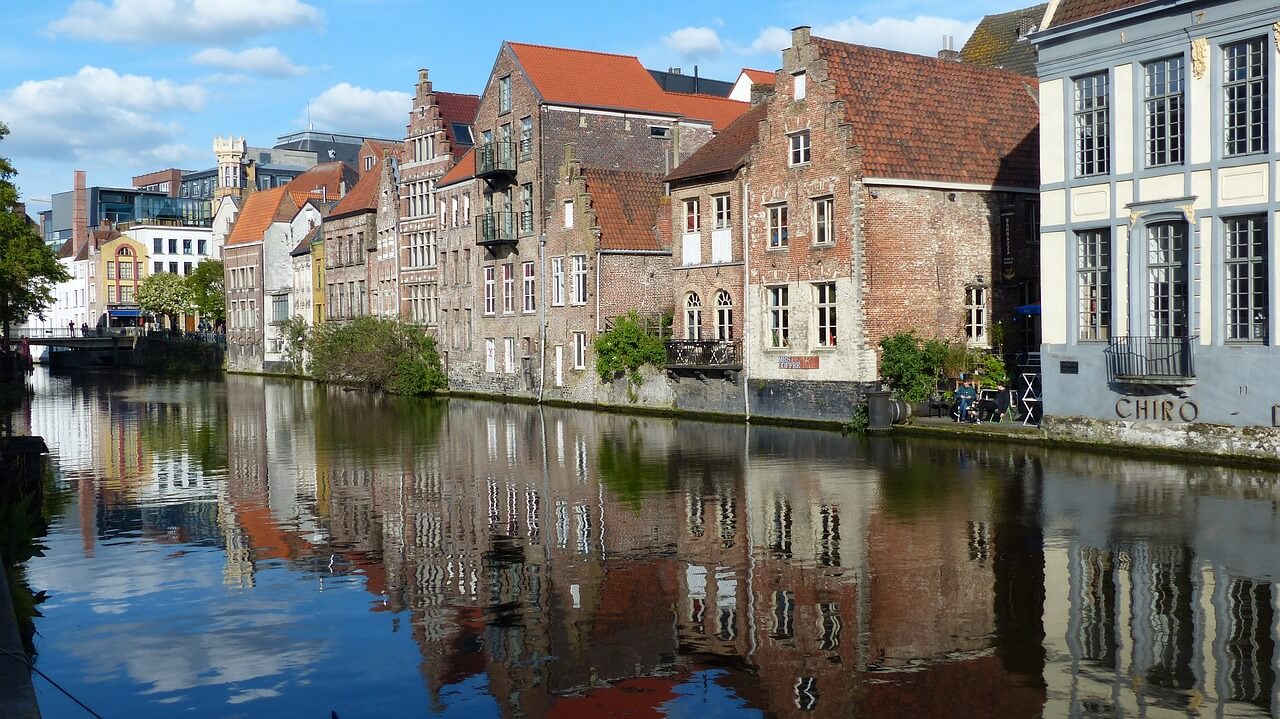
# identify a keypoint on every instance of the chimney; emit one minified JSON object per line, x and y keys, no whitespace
{"x":948,"y":51}
{"x":800,"y":36}
{"x":342,"y":188}
{"x":79,"y":215}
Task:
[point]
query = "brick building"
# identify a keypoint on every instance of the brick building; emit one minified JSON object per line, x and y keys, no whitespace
{"x":881,"y":198}
{"x":439,"y":135}
{"x":452,"y":308}
{"x":547,"y":121}
{"x":350,"y":239}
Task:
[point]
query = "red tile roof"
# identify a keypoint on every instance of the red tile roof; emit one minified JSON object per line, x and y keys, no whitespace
{"x":582,"y":78}
{"x":325,"y":181}
{"x":759,"y":77}
{"x":363,"y":197}
{"x":919,"y":118}
{"x":465,"y":169}
{"x":725,"y":152}
{"x":1070,"y":11}
{"x":460,"y":108}
{"x":259,"y":211}
{"x":376,"y":148}
{"x":626,"y":204}
{"x":67,"y":249}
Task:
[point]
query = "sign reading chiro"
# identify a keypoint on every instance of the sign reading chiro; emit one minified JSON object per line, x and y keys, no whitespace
{"x":798,"y":362}
{"x":1157,"y":410}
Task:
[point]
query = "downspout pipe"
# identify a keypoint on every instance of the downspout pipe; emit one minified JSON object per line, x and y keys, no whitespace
{"x":542,"y":319}
{"x":746,"y":301}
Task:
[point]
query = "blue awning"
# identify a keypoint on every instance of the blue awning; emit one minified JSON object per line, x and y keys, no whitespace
{"x":118,"y":312}
{"x":1027,"y":310}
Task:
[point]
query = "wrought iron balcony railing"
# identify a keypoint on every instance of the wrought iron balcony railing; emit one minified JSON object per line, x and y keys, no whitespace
{"x":495,"y":159}
{"x":495,"y":228}
{"x":704,"y":354}
{"x":1152,"y":360}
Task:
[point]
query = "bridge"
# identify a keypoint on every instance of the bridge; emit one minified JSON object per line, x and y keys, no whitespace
{"x":116,"y":338}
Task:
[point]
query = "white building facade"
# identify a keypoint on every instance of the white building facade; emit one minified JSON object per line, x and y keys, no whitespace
{"x":1159,"y":156}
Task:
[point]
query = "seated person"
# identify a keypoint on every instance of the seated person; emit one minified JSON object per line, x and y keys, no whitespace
{"x":999,"y":404}
{"x":966,"y":398}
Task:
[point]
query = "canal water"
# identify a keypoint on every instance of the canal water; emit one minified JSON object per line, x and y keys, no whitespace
{"x":262,"y":547}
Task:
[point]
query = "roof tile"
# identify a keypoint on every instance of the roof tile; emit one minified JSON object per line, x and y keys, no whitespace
{"x":1070,"y":11}
{"x":259,"y":211}
{"x":465,"y":169}
{"x":626,"y":205}
{"x":725,"y":152}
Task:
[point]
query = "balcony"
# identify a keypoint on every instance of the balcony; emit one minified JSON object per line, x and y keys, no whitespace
{"x":1166,"y":361}
{"x":496,"y":228}
{"x":704,"y":355}
{"x":496,"y":161}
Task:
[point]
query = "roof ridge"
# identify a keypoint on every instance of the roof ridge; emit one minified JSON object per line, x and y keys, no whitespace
{"x":964,"y":66}
{"x":573,"y":49}
{"x":455,"y":94}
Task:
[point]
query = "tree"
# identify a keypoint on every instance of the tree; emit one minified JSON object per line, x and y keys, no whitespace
{"x":206,"y":290}
{"x":167,"y":294}
{"x":29,"y":270}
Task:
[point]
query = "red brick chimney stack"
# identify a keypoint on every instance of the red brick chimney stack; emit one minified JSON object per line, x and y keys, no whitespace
{"x":79,"y":215}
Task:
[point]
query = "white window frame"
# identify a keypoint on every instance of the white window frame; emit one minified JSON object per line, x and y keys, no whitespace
{"x":578,"y":276}
{"x":825,"y":314}
{"x":779,"y":316}
{"x":528,"y":283}
{"x":557,"y":281}
{"x":693,"y":317}
{"x":490,"y":290}
{"x":823,"y":229}
{"x":975,"y":315}
{"x":778,"y":229}
{"x":579,"y":350}
{"x":692,"y":215}
{"x":722,"y":212}
{"x":799,"y":86}
{"x":490,"y":355}
{"x":508,"y":288}
{"x":509,"y":355}
{"x":724,"y":316}
{"x":800,"y":148}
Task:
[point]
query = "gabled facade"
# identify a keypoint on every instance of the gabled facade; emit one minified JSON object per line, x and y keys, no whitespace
{"x":1159,"y":222}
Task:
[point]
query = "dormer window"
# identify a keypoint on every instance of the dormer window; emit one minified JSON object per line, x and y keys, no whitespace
{"x":798,"y":86}
{"x":368,"y":162}
{"x":659,"y":132}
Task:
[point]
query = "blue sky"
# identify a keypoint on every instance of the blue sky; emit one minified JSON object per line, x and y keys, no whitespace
{"x":122,"y":87}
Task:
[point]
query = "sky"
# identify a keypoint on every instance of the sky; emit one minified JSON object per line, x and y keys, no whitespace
{"x":123,"y":87}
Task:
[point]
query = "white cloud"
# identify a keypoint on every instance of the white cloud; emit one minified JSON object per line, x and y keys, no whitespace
{"x":182,"y":20}
{"x":347,"y":108}
{"x":259,"y":60}
{"x":98,"y":114}
{"x":695,"y":42}
{"x":921,"y":35}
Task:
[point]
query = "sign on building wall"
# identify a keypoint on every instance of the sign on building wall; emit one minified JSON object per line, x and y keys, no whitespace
{"x":1157,"y":410}
{"x":798,"y":362}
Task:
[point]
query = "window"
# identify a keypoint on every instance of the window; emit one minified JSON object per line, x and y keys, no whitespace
{"x":724,"y":316}
{"x":722,"y":212}
{"x":186,"y":246}
{"x":488,"y":290}
{"x":692,"y":223}
{"x":173,"y":246}
{"x":526,"y":137}
{"x":798,"y":86}
{"x":1033,"y":222}
{"x":431,"y":303}
{"x":504,"y":94}
{"x":693,"y":317}
{"x":279,"y":308}
{"x":158,"y":267}
{"x":579,"y":350}
{"x":466,"y":208}
{"x":799,"y":148}
{"x":202,"y":247}
{"x":126,"y":293}
{"x":1248,"y":294}
{"x":111,"y":270}
{"x":368,"y":162}
{"x":777,"y":226}
{"x":1093,"y":284}
{"x":975,"y":314}
{"x":557,"y":281}
{"x":173,"y":268}
{"x":186,"y":268}
{"x":530,"y":304}
{"x":490,"y":356}
{"x":126,"y":270}
{"x":157,"y":245}
{"x":779,"y":317}
{"x":825,"y":301}
{"x":1244,"y":91}
{"x":508,"y":288}
{"x":1092,"y":126}
{"x":568,"y":214}
{"x":822,"y":234}
{"x":453,"y":212}
{"x":1167,"y":279}
{"x":509,"y":355}
{"x":578,"y":272}
{"x":659,"y":132}
{"x":526,"y":209}
{"x":1164,"y":107}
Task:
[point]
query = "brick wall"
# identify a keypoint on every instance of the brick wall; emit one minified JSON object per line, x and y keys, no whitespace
{"x":244,"y":344}
{"x":347,"y":240}
{"x":705,"y":278}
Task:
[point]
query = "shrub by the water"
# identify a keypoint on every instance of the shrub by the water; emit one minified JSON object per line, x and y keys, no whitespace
{"x":376,"y":354}
{"x":626,"y":348}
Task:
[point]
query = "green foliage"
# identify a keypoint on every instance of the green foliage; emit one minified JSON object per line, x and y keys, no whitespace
{"x":628,"y":347}
{"x":206,"y":290}
{"x":377,"y":354}
{"x":167,"y":294}
{"x":29,"y":270}
{"x":295,"y":332}
{"x":860,"y":420}
{"x":913,"y":368}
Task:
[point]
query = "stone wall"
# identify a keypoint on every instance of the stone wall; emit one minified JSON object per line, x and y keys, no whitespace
{"x":1212,"y":439}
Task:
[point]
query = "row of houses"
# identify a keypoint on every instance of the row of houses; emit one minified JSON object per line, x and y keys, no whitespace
{"x":851,"y":194}
{"x":856,"y":193}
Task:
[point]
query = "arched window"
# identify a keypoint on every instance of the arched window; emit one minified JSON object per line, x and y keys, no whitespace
{"x":125,"y":252}
{"x":724,"y":316}
{"x":693,"y":317}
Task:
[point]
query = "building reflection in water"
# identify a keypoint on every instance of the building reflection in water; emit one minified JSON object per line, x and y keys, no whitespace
{"x":586,"y":563}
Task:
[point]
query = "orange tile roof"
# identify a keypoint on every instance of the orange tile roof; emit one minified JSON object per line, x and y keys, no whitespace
{"x":760,"y":77}
{"x":260,"y":210}
{"x":465,"y":169}
{"x":917,"y":118}
{"x":626,"y":204}
{"x":324,"y":181}
{"x":363,"y":197}
{"x":457,"y":108}
{"x":1070,"y":11}
{"x":583,"y":78}
{"x":725,"y":152}
{"x":376,"y":148}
